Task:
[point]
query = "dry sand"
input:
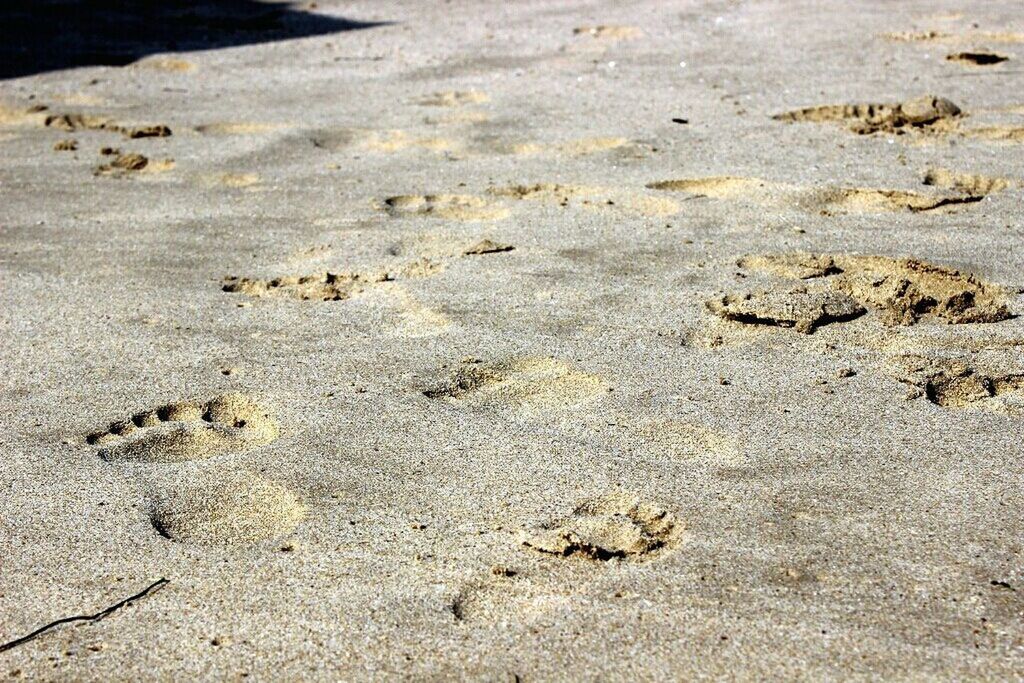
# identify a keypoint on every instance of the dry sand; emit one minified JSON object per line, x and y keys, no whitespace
{"x":522,"y":341}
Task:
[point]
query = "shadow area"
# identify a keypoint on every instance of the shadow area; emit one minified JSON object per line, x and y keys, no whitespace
{"x":46,"y":35}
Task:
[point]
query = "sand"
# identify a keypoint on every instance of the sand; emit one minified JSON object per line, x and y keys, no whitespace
{"x":521,"y":342}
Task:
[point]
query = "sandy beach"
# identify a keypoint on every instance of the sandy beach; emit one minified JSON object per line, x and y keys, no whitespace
{"x":532,"y":341}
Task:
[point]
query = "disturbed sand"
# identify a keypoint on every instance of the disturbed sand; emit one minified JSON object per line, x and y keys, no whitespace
{"x":539,"y":341}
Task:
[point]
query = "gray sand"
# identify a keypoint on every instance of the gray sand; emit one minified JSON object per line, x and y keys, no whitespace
{"x":290,"y":363}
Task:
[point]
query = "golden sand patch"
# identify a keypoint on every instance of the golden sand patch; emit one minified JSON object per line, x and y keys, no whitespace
{"x":609,"y":32}
{"x":238,"y":128}
{"x":164,"y":63}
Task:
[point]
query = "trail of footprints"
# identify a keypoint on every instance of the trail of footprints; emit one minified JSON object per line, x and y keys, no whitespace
{"x":238,"y":506}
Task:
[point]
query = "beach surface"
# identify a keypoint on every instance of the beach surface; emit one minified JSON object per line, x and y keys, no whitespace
{"x":524,"y":341}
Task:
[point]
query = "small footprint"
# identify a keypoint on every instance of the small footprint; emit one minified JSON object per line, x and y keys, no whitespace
{"x":187,"y":430}
{"x":453,"y":98}
{"x":853,"y":200}
{"x":447,"y":206}
{"x":800,"y":308}
{"x":613,"y":527}
{"x":525,"y":383}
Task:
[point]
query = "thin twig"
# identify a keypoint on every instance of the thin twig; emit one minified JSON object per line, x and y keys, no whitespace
{"x":85,"y":617}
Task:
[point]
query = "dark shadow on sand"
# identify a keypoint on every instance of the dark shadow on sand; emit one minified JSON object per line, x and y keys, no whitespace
{"x":46,"y":35}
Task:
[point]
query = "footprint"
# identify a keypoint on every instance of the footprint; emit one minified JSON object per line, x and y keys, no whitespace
{"x":976,"y":58}
{"x":968,"y":183}
{"x":961,"y":384}
{"x":932,"y":36}
{"x":929,"y":114}
{"x":853,"y":200}
{"x":589,"y":197}
{"x":616,"y":526}
{"x":237,"y":128}
{"x":76,"y":122}
{"x":453,"y":98}
{"x":408,"y":258}
{"x":609,"y":32}
{"x":15,"y":116}
{"x":527,"y":384}
{"x":903,"y":291}
{"x":800,"y":308}
{"x":123,"y":165}
{"x":317,"y":287}
{"x":226,"y":509}
{"x":188,"y":430}
{"x":448,"y":206}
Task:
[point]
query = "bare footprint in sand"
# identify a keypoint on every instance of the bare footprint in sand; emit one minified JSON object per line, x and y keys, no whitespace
{"x":616,"y":526}
{"x":453,"y":98}
{"x":927,"y":114}
{"x":527,"y":384}
{"x":590,"y":197}
{"x":902,"y":291}
{"x":188,"y":430}
{"x":224,"y":509}
{"x":458,"y":207}
{"x":324,"y":286}
{"x":825,"y":199}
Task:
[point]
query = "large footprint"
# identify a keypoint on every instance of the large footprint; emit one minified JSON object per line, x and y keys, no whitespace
{"x":188,"y":430}
{"x":204,"y":504}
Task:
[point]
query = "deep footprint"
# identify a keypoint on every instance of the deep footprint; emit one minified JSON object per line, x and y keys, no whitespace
{"x":188,"y":430}
{"x":903,"y":291}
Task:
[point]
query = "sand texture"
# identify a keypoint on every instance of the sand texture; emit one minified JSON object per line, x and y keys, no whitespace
{"x":514,"y":341}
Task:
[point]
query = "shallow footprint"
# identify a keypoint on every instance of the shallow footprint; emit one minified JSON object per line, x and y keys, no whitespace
{"x":524,"y":383}
{"x":458,"y":207}
{"x":236,"y":508}
{"x":188,"y":430}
